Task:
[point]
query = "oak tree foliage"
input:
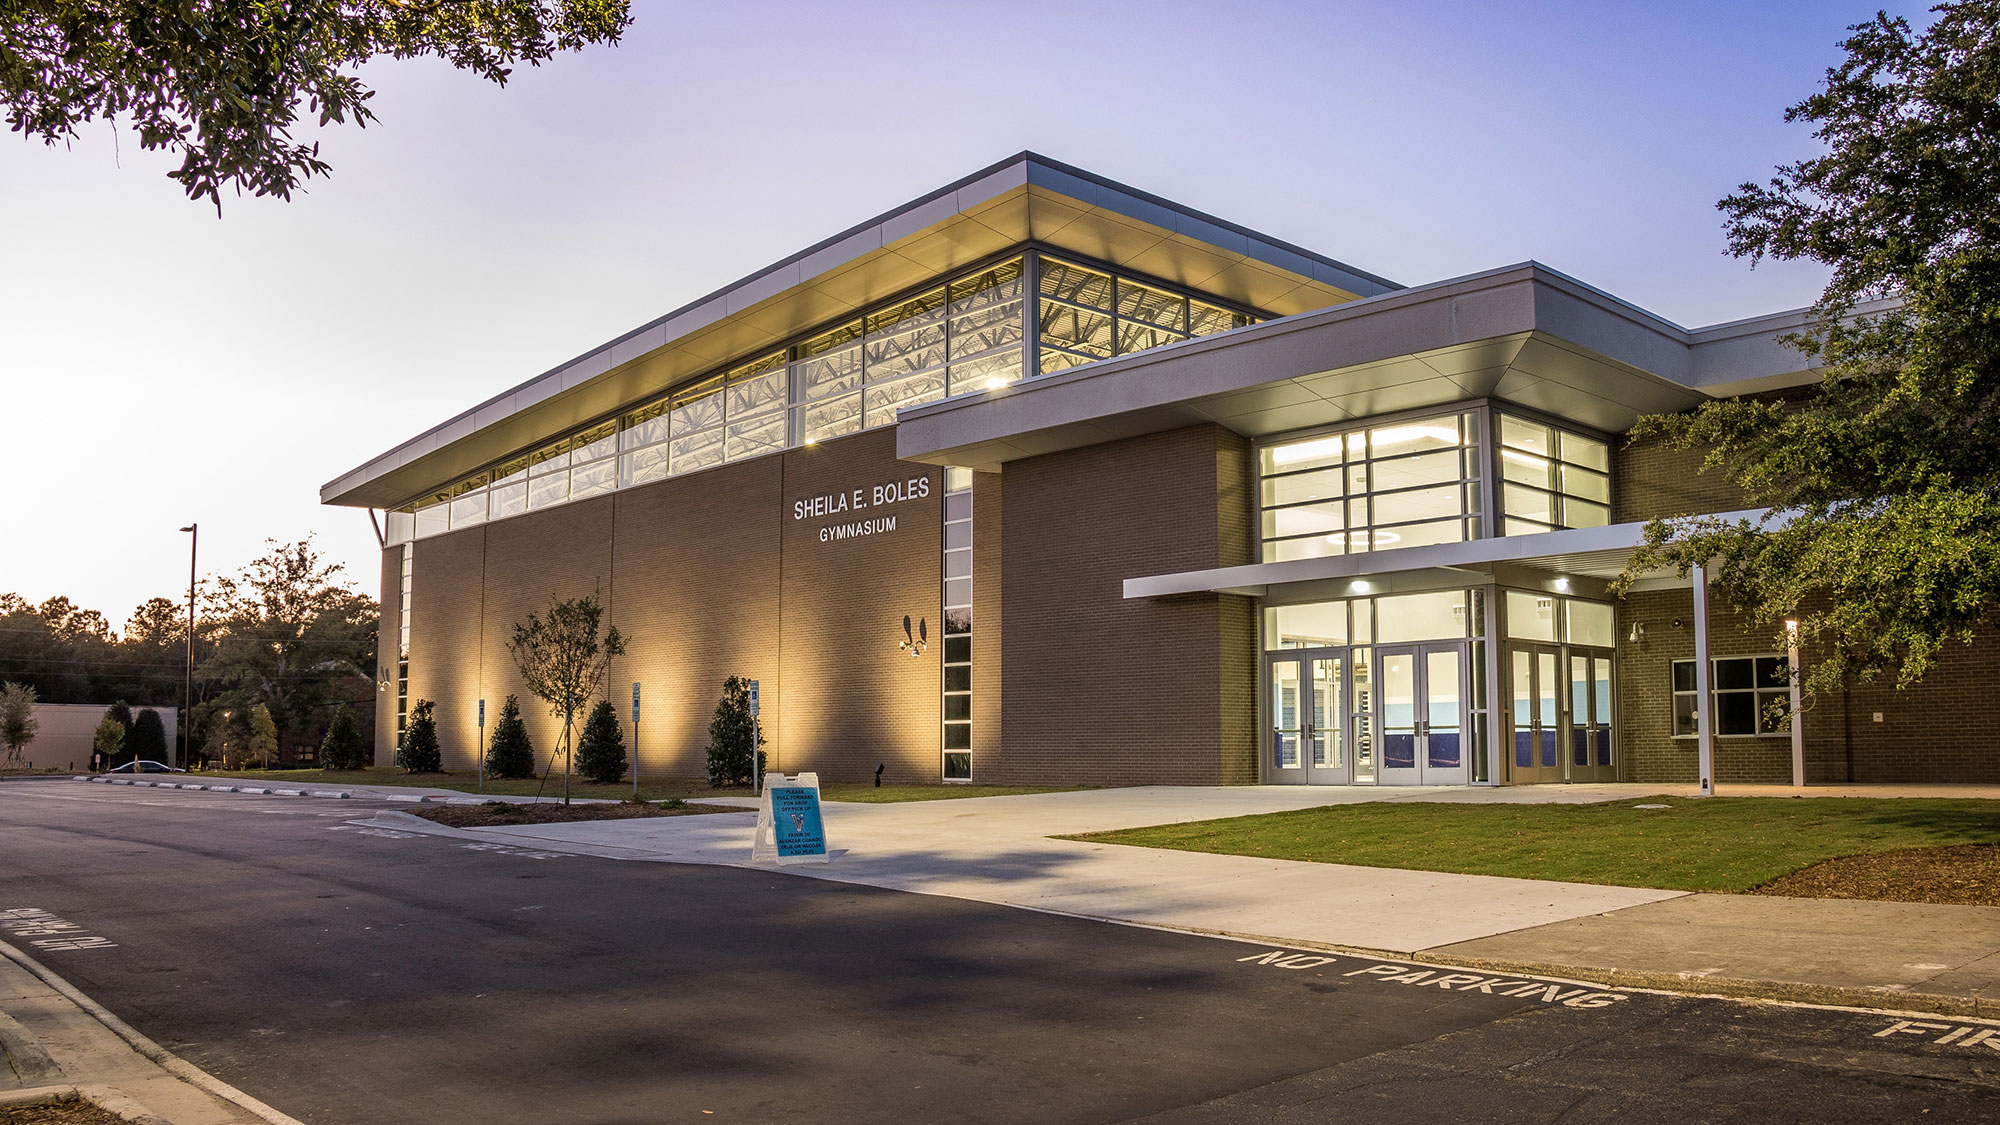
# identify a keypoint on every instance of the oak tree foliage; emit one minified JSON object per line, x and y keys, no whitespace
{"x":223,"y":84}
{"x":1883,"y":483}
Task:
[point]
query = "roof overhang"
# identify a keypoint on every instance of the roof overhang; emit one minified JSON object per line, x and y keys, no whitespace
{"x":1523,"y":334}
{"x":1027,"y":198}
{"x":1593,"y":554}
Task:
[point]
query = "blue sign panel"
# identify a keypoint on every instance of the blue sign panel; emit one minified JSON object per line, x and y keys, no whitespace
{"x":795,"y":817}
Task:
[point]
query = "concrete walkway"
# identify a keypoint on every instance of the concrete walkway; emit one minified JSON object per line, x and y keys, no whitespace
{"x":999,"y":850}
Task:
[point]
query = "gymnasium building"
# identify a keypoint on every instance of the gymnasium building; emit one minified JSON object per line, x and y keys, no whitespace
{"x":1041,"y":479}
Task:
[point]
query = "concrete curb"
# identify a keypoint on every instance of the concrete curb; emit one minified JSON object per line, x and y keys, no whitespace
{"x":168,"y":1061}
{"x":111,"y":1101}
{"x":1784,"y":992}
{"x":24,"y":1051}
{"x":328,"y":794}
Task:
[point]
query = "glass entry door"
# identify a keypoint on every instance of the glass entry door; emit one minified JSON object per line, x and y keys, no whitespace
{"x":1590,"y":726}
{"x":1421,"y":693}
{"x":1536,"y":718}
{"x":1307,"y":706}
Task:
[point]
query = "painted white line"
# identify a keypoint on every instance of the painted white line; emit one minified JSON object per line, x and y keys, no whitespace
{"x":169,"y":1061}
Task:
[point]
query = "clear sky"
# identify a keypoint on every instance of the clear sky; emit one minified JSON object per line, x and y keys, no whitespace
{"x":160,"y":366}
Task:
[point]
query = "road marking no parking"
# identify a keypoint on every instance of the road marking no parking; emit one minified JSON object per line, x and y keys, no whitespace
{"x":44,"y":930}
{"x":1387,"y":972}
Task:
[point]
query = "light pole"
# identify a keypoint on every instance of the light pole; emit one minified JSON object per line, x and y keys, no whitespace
{"x":187,"y":678}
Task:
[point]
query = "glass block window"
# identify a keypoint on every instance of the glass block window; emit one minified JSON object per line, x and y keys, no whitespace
{"x":1405,"y":484}
{"x":957,"y":656}
{"x":1090,"y":314}
{"x":1551,"y":478}
{"x":1753,"y":695}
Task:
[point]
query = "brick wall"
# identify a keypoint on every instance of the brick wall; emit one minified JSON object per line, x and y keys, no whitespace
{"x":1098,"y":688}
{"x":696,"y":585}
{"x":1936,"y":731}
{"x":709,"y":575}
{"x":988,"y":734}
{"x":851,"y":698}
{"x":447,"y":589}
{"x":385,"y":654}
{"x":1237,"y":657}
{"x":1648,"y":480}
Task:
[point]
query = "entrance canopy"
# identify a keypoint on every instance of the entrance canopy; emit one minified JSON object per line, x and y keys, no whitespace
{"x":1589,"y":557}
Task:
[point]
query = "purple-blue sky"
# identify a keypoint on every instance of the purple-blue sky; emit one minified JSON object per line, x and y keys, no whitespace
{"x":159,"y":366}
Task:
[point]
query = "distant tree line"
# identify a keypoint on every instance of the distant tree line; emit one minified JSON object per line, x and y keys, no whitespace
{"x":279,"y":648}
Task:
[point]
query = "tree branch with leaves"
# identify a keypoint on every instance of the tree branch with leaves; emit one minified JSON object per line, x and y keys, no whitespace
{"x":1883,"y":539}
{"x":222,"y":83}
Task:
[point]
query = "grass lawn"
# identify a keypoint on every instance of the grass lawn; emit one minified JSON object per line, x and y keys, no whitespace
{"x":650,"y":789}
{"x":1729,"y":844}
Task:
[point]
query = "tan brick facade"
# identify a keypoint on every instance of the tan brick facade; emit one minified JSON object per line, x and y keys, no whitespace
{"x":710,"y":575}
{"x":713,"y":574}
{"x":1100,"y":689}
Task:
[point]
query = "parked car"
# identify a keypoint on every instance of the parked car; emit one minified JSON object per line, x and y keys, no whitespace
{"x":147,"y":765}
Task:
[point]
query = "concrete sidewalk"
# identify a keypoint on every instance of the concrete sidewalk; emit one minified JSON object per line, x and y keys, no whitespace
{"x":55,"y":1043}
{"x":1942,"y":959}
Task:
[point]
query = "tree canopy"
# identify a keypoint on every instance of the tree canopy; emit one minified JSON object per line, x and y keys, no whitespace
{"x":288,"y":630}
{"x":1884,"y":482}
{"x":223,"y":83}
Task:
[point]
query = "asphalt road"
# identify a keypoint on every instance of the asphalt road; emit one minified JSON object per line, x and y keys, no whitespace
{"x":346,"y":974}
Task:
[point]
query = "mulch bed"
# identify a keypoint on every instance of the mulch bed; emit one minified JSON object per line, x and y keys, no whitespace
{"x":1960,"y":875}
{"x":501,"y":813}
{"x":69,"y":1111}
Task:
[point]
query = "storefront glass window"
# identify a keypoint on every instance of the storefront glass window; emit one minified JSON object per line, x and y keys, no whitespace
{"x":1551,"y":478}
{"x":1405,"y":484}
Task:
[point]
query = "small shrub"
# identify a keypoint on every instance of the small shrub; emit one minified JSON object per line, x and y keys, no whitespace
{"x":344,"y":747}
{"x":511,"y":754}
{"x":733,"y":734}
{"x":601,"y":755}
{"x":674,"y":803}
{"x":148,"y":736}
{"x":419,"y":751}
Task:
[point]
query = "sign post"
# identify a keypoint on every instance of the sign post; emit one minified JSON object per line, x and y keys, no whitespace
{"x":635,"y":741}
{"x":482,"y":746}
{"x":755,"y":766}
{"x":789,"y":828}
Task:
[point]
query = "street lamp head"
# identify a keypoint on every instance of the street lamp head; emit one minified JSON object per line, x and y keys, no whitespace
{"x":190,"y":527}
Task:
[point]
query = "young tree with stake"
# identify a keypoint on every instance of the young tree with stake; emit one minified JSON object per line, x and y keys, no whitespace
{"x":563,"y":658}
